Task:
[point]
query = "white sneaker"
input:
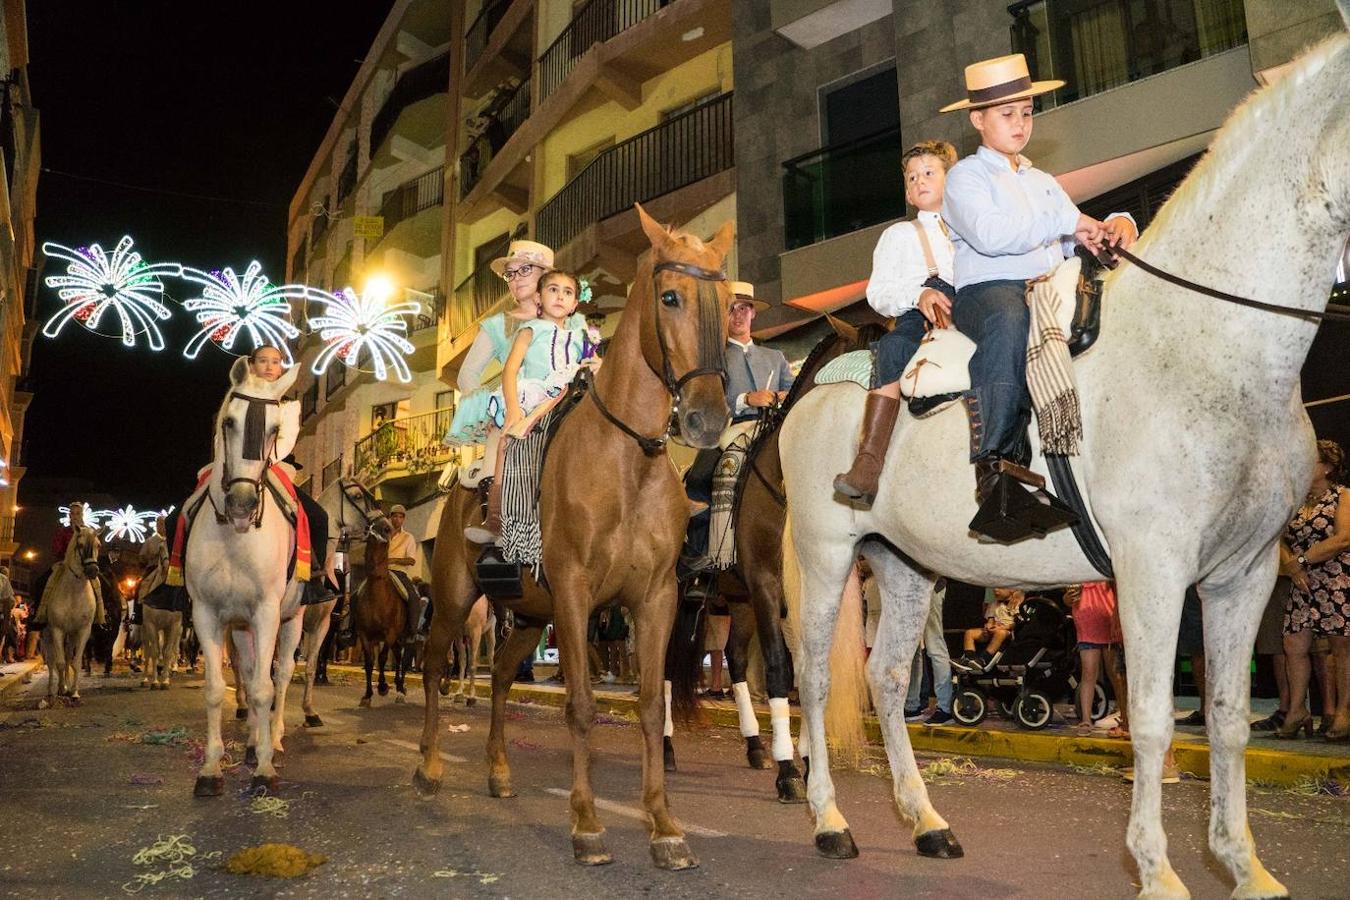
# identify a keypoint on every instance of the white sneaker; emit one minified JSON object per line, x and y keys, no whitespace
{"x":480,"y":535}
{"x":609,"y":678}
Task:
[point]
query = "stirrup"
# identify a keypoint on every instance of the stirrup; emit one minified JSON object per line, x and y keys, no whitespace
{"x":1017,"y":509}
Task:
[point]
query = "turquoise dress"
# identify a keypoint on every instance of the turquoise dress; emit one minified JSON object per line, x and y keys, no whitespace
{"x":479,"y":410}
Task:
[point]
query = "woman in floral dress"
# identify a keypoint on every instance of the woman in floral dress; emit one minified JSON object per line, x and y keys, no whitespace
{"x":1315,"y":554}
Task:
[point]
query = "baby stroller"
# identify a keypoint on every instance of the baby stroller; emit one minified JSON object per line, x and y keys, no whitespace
{"x":1035,"y":669}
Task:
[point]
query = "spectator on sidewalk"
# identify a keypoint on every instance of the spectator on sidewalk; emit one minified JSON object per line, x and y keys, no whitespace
{"x":1096,"y":619}
{"x":715,"y":642}
{"x":1270,"y":642}
{"x":999,"y":614}
{"x":933,"y":644}
{"x":1191,"y":646}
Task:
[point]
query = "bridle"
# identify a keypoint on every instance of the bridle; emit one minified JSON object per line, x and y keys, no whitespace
{"x":256,"y":445}
{"x":709,"y":352}
{"x":367,"y":506}
{"x":85,"y":561}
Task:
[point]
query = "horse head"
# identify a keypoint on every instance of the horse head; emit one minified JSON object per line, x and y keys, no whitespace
{"x":684,"y":324}
{"x":82,"y":553}
{"x":255,"y":427}
{"x":378,"y":526}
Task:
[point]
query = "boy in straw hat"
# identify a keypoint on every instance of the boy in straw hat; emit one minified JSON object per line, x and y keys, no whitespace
{"x":1008,"y":223}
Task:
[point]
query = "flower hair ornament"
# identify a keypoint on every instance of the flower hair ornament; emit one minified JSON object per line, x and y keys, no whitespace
{"x":583,"y":291}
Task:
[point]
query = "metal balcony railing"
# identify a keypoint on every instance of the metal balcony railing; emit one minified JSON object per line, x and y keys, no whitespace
{"x":1094,"y":47}
{"x":478,"y":34}
{"x":423,"y":80}
{"x":412,"y":443}
{"x":413,"y":196}
{"x":594,"y":23}
{"x":835,"y":190}
{"x":680,"y":151}
{"x":331,"y":472}
{"x":503,"y":116}
{"x":430,"y":314}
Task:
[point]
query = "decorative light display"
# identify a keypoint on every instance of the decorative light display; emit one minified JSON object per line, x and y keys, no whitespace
{"x":116,"y":524}
{"x":353,"y":325}
{"x":96,"y":282}
{"x":252,"y":305}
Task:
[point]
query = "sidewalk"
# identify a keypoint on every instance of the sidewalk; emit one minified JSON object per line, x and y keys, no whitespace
{"x":1269,"y":760}
{"x":13,"y":674}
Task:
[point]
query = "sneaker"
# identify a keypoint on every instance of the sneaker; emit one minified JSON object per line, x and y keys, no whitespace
{"x":939,"y":717}
{"x":1170,"y":774}
{"x":914,"y":715}
{"x":969,"y":662}
{"x":479,"y":535}
{"x":1195,"y":718}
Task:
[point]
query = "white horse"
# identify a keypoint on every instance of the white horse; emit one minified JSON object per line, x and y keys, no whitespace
{"x":235,"y":567}
{"x":69,"y":604}
{"x":481,"y":623}
{"x":161,"y":635}
{"x":1196,"y":453}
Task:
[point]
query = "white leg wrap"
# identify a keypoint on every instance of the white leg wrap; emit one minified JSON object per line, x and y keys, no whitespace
{"x":670,"y":725}
{"x":745,"y":710}
{"x":782,"y":729}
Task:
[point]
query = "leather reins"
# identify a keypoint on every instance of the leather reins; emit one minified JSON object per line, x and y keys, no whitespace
{"x":709,"y":352}
{"x":255,"y":441}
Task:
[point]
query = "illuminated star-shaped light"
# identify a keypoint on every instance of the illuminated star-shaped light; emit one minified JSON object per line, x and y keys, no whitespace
{"x":96,"y":282}
{"x":252,"y":305}
{"x":352,"y":325}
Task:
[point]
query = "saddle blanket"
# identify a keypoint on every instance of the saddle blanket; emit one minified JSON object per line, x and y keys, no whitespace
{"x":281,"y":488}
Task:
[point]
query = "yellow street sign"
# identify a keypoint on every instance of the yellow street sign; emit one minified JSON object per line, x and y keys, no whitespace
{"x":368,"y":226}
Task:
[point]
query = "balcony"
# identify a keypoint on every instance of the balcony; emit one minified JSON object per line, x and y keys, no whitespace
{"x":412,"y":197}
{"x":431,"y":313}
{"x":317,"y":233}
{"x":676,"y":154}
{"x":418,"y":83}
{"x":404,"y":447}
{"x":474,"y":298}
{"x":331,"y":473}
{"x":1099,"y":46}
{"x":347,"y":179}
{"x":477,"y":34}
{"x":502,"y":118}
{"x":839,"y":189}
{"x":596,"y":22}
{"x":498,"y":46}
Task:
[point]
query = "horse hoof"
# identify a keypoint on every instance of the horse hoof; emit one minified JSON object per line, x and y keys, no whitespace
{"x":241,"y":714}
{"x":444,"y":688}
{"x":269,"y":784}
{"x":74,"y":700}
{"x":673,"y":854}
{"x":425,"y":787}
{"x":147,"y":683}
{"x":209,"y":786}
{"x":836,"y":844}
{"x":365,"y":703}
{"x":400,"y":697}
{"x":471,"y":701}
{"x":791,"y":788}
{"x":313,"y":722}
{"x":668,"y":749}
{"x":384,"y":690}
{"x":250,"y":756}
{"x":755,"y":754}
{"x":589,"y":849}
{"x":500,"y":787}
{"x":44,"y":703}
{"x":940,"y":844}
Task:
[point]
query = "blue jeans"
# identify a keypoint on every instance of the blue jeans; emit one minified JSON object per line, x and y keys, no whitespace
{"x":994,"y":315}
{"x":898,"y":346}
{"x":935,"y":644}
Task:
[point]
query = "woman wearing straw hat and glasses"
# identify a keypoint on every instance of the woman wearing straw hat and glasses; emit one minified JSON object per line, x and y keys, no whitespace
{"x":1008,"y":222}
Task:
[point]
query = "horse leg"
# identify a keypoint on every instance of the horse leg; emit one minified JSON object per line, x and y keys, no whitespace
{"x":288,"y":638}
{"x":654,"y":620}
{"x":265,"y":626}
{"x":56,"y":662}
{"x":904,"y":613}
{"x":572,"y":606}
{"x":471,"y":661}
{"x":824,"y":570}
{"x":1150,"y":599}
{"x":738,"y":651}
{"x":367,"y":660}
{"x":403,"y":654}
{"x":313,"y":648}
{"x":766,"y":591}
{"x":1233,"y":609}
{"x":522,"y":640}
{"x":384,"y":659}
{"x":232,"y":645}
{"x":210,"y":781}
{"x":170,"y":653}
{"x":446,"y":620}
{"x":246,"y":664}
{"x":150,"y":647}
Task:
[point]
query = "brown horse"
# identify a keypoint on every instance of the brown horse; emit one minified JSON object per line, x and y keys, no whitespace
{"x":612,"y":515}
{"x":379,"y":620}
{"x":753,"y":587}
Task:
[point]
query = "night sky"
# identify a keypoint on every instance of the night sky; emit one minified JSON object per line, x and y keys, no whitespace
{"x":226,"y":100}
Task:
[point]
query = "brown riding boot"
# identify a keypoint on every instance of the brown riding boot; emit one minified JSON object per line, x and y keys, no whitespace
{"x":491,"y":529}
{"x":860,"y":482}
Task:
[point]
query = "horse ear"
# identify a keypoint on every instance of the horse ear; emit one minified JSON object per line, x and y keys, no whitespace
{"x":656,"y":233}
{"x":721,"y":242}
{"x":283,"y":384}
{"x":239,"y":371}
{"x":842,"y":328}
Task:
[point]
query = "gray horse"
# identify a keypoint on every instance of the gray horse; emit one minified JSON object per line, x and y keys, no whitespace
{"x":70,"y":602}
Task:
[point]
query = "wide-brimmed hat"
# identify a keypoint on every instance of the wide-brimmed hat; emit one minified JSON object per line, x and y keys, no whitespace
{"x":398,"y":509}
{"x":745,"y":291}
{"x":527,"y":252}
{"x":992,"y":82}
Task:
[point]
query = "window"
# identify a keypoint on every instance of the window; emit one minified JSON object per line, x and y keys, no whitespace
{"x":1142,"y":197}
{"x":309,"y":401}
{"x":445,"y":399}
{"x":578,"y":161}
{"x":860,"y":105}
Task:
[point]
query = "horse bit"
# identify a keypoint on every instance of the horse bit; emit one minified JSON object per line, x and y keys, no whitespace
{"x":708,"y":363}
{"x":255,"y":447}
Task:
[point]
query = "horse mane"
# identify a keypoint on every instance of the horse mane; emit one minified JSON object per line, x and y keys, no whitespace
{"x":1213,"y":172}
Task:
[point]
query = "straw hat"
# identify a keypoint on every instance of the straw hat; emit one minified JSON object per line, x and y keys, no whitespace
{"x":995,"y":81}
{"x":526,"y":252}
{"x":398,"y":509}
{"x":744,"y":290}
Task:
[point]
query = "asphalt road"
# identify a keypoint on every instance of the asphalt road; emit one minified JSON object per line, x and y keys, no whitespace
{"x":80,"y":795}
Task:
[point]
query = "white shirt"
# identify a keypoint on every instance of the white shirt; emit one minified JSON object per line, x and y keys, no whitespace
{"x":898,"y":265}
{"x":400,"y":545}
{"x":740,"y":404}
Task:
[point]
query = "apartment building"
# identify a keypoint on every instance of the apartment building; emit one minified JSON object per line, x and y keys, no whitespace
{"x":20,"y":148}
{"x":369,"y":212}
{"x":832,"y":91}
{"x":564,"y":114}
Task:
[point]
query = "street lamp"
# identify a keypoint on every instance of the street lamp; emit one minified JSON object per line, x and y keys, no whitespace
{"x":379,"y":286}
{"x":30,"y":555}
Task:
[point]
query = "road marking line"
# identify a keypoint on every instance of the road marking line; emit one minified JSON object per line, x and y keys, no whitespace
{"x":640,"y":815}
{"x":409,"y":745}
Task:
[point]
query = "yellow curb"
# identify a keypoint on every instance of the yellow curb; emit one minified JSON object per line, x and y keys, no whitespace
{"x":1281,"y":767}
{"x":14,"y":680}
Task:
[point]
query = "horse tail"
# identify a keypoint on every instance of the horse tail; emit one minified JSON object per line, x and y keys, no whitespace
{"x":684,"y":659}
{"x":849,"y":698}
